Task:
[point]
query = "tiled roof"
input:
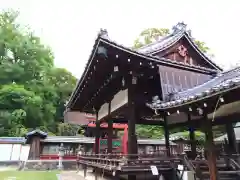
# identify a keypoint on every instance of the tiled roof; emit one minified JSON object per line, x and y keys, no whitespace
{"x":146,"y":53}
{"x":222,"y":82}
{"x":149,"y":56}
{"x":69,"y":139}
{"x":91,"y":140}
{"x":179,"y":31}
{"x":153,"y":142}
{"x":13,"y":140}
{"x":162,"y":43}
{"x":37,"y":131}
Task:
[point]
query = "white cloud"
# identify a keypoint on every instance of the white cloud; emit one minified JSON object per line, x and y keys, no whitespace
{"x":70,"y":27}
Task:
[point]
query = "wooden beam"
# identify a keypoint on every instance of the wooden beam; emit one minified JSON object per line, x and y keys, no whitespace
{"x":97,"y":137}
{"x":166,"y":135}
{"x":191,"y":130}
{"x":132,"y":116}
{"x":217,"y":121}
{"x":110,"y":129}
{"x":132,"y":119}
{"x":150,"y":122}
{"x":232,"y":142}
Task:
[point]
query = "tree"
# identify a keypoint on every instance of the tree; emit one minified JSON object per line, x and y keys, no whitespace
{"x":149,"y":131}
{"x":32,"y":90}
{"x":65,"y":129}
{"x":63,"y":82}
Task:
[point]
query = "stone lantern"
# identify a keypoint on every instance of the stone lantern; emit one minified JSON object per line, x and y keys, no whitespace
{"x":60,"y":155}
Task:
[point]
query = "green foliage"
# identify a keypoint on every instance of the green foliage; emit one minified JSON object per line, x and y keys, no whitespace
{"x":65,"y":129}
{"x":149,"y":131}
{"x":32,"y":90}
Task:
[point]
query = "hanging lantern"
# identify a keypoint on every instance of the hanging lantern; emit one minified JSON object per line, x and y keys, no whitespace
{"x":134,"y":80}
{"x":115,"y":69}
{"x":123,"y":82}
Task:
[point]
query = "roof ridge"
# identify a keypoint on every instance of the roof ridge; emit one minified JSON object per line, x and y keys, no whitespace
{"x":159,"y":59}
{"x":190,"y":38}
{"x":234,"y":69}
{"x":179,"y":30}
{"x":170,"y":39}
{"x":101,"y":33}
{"x":155,"y":42}
{"x":103,"y":37}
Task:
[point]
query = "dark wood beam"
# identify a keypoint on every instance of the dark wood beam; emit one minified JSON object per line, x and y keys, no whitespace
{"x":110,"y":129}
{"x":132,"y":119}
{"x":150,"y":122}
{"x":166,"y":135}
{"x":97,"y":137}
{"x":191,"y":130}
{"x":211,"y":153}
{"x":217,"y":121}
{"x":232,"y":143}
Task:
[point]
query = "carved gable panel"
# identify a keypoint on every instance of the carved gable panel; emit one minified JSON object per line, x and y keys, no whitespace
{"x":184,"y":52}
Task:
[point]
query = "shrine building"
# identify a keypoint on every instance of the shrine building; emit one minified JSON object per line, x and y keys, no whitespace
{"x":169,"y":83}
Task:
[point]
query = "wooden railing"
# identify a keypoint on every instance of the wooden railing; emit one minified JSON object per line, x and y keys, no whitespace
{"x":130,"y":163}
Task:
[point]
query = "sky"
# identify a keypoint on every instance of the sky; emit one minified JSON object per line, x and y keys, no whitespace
{"x":70,"y":27}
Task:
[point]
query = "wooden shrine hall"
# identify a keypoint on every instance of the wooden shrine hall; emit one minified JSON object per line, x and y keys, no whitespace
{"x":170,"y":83}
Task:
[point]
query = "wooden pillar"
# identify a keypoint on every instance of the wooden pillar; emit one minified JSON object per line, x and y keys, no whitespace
{"x":193,"y":142}
{"x":191,"y":130}
{"x":232,"y":143}
{"x":34,"y":147}
{"x":166,"y":135}
{"x":96,"y":173}
{"x":97,"y":142}
{"x":132,"y":118}
{"x":211,"y":153}
{"x":84,"y":171}
{"x":116,"y":176}
{"x":110,"y":129}
{"x":97,"y":132}
{"x":115,"y":133}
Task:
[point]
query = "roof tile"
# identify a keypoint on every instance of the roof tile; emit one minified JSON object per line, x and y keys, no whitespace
{"x":223,"y":81}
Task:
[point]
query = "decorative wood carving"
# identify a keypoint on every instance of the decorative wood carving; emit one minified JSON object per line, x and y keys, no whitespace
{"x":182,"y":50}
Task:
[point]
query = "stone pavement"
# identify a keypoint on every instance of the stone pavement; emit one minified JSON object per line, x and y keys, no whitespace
{"x":74,"y":175}
{"x":70,"y":175}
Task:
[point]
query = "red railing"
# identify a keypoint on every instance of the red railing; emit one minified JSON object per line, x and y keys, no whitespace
{"x":56,"y":157}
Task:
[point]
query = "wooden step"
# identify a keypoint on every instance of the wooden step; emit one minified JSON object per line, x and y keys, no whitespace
{"x":224,"y":172}
{"x":223,"y":175}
